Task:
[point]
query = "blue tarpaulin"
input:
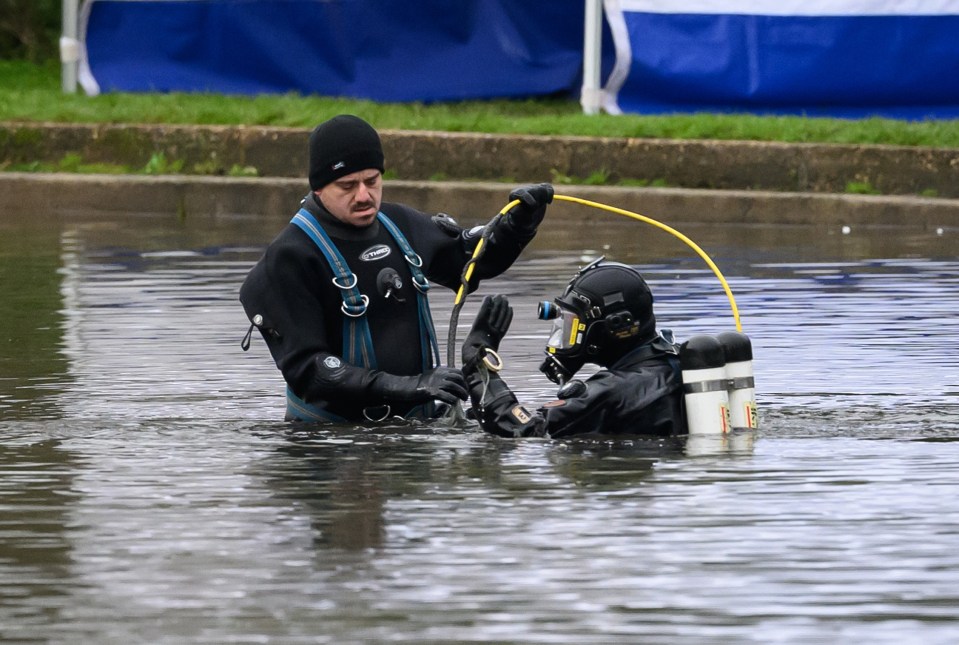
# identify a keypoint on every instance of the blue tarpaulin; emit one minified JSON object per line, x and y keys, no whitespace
{"x":384,"y":50}
{"x":851,"y":58}
{"x":846,"y":58}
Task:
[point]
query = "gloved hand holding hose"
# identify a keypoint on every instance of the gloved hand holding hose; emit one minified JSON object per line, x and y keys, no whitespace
{"x":528,"y":214}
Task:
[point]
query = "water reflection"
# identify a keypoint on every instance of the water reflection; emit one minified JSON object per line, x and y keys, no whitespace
{"x":150,"y":492}
{"x":35,"y":554}
{"x":343,"y":479}
{"x":31,"y":367}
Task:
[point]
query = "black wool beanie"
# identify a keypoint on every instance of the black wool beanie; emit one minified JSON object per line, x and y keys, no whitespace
{"x":343,"y":145}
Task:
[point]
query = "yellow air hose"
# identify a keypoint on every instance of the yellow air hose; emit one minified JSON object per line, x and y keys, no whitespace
{"x":671,"y":231}
{"x":480,"y":249}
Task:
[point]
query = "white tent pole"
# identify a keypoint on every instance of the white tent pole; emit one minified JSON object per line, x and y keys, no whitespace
{"x":591,"y":95}
{"x":69,"y":46}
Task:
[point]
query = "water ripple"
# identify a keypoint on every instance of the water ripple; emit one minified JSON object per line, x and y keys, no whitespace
{"x":150,"y":493}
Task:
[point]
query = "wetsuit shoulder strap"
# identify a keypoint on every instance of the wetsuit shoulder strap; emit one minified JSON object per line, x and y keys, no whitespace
{"x":430,"y":350}
{"x":357,"y":341}
{"x":413,"y":259}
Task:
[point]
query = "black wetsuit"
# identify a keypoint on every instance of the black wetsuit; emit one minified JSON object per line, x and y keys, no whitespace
{"x":639,"y":394}
{"x":290,"y":297}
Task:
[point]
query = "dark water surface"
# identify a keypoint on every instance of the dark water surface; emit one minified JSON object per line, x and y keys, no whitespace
{"x":150,"y":493}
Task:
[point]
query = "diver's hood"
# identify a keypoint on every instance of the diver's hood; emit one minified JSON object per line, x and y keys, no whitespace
{"x":606,"y":310}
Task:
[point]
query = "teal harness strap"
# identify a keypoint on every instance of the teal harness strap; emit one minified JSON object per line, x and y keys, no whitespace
{"x":429,"y":349}
{"x":357,"y":340}
{"x":297,"y":408}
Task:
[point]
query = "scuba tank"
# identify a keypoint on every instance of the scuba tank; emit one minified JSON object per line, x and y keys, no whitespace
{"x":738,"y":352}
{"x":703,"y":365}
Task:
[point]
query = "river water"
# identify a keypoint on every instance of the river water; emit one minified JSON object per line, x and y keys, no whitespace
{"x":149,"y":491}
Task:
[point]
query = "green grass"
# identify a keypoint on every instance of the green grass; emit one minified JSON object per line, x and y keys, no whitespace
{"x":32,"y":93}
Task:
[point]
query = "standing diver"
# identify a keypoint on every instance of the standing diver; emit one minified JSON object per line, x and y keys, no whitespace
{"x":605,"y":317}
{"x":340,"y":294}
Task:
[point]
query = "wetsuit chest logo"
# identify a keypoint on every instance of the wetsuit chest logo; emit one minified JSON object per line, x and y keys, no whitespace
{"x":377,"y":252}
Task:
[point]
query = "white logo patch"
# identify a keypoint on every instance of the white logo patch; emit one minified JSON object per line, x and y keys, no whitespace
{"x":338,"y":165}
{"x":332,"y":362}
{"x":374,"y":253}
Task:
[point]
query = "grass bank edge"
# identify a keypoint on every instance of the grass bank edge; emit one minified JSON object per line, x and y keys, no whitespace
{"x":31,"y":93}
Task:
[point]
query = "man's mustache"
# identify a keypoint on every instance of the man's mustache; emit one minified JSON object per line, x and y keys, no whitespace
{"x":362,"y":206}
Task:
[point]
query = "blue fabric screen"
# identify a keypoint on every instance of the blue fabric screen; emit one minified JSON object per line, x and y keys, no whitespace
{"x":847,"y":58}
{"x":384,"y":50}
{"x":811,"y":57}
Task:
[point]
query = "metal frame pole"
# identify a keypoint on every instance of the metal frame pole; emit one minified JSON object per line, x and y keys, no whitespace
{"x":591,"y":95}
{"x":69,"y":46}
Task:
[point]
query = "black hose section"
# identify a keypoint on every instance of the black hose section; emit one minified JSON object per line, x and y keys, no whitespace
{"x":451,"y":336}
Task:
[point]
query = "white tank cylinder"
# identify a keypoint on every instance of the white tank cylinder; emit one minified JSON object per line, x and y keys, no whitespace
{"x":738,"y":352}
{"x":703,"y":364}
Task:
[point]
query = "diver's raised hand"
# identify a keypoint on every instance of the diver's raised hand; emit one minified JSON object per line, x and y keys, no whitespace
{"x":490,"y":326}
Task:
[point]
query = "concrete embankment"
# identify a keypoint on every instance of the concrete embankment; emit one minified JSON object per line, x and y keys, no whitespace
{"x":707,"y":181}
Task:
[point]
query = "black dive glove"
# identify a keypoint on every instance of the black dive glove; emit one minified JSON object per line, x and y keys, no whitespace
{"x":491,"y":324}
{"x":443,"y":383}
{"x":531,"y":209}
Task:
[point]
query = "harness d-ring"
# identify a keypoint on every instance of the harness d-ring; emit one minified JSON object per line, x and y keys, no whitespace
{"x":423,"y":286}
{"x":386,"y":414}
{"x":360,"y":309}
{"x":348,"y":286}
{"x":494,"y":365}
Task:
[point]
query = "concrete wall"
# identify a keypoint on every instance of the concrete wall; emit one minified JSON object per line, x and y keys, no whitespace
{"x":471,"y":202}
{"x":470,"y":175}
{"x":723,"y":165}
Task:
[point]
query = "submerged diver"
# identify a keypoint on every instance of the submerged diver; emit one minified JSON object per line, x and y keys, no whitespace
{"x":605,"y":317}
{"x":340,"y":294}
